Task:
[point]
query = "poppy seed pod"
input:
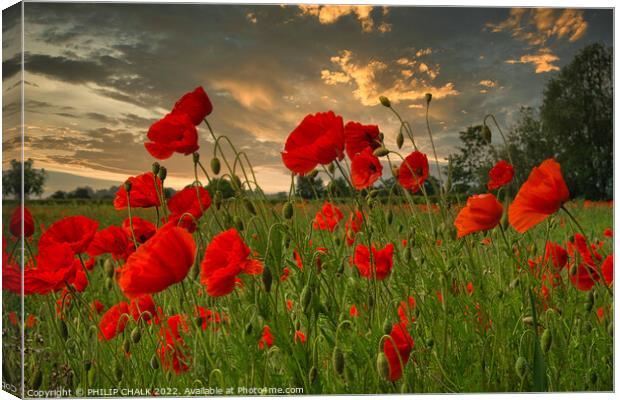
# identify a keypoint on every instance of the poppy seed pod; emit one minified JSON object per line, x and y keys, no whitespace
{"x":381,"y":152}
{"x":154,"y":362}
{"x":383,"y":367}
{"x":385,"y":102}
{"x":267,"y":279}
{"x":163,"y":172}
{"x":287,"y":210}
{"x":196,"y":157}
{"x":521,"y":367}
{"x":155,"y":168}
{"x":338,"y":360}
{"x":215,"y":165}
{"x":136,"y":335}
{"x":486,"y":134}
{"x":428,"y":97}
{"x":400,"y":140}
{"x":126,"y":346}
{"x":128,"y":186}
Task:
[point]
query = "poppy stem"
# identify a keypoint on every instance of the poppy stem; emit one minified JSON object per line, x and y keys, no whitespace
{"x":572,"y":218}
{"x":430,"y":135}
{"x":133,"y":235}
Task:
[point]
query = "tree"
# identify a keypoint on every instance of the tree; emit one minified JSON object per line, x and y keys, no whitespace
{"x":58,"y":195}
{"x":221,"y":184}
{"x":471,"y":164}
{"x":576,"y":116}
{"x":85,"y":192}
{"x":340,"y":188}
{"x":34,"y":180}
{"x":309,"y":187}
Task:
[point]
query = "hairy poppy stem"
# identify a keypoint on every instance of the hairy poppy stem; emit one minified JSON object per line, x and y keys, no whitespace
{"x":133,"y":235}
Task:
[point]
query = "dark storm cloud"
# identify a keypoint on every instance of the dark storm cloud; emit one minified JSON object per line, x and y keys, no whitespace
{"x":262,"y":67}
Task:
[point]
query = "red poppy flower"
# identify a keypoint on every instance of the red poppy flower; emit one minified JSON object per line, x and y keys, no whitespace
{"x":585,"y":275}
{"x":76,"y":231}
{"x":482,"y":212}
{"x":31,"y":321}
{"x":327,"y":217}
{"x":143,"y":308}
{"x":299,"y":335}
{"x":143,"y":193}
{"x":470,"y":288}
{"x":113,"y":240}
{"x":173,"y":352}
{"x":285,"y":274}
{"x":195,"y":104}
{"x":142,"y":229}
{"x":267,"y":339}
{"x":15,"y":225}
{"x":55,"y":267}
{"x":398,"y":349}
{"x":79,"y":280}
{"x":97,"y":306}
{"x":353,"y":311}
{"x":289,"y":305}
{"x":358,"y":137}
{"x":353,"y":226}
{"x":413,"y":171}
{"x":405,"y":310}
{"x":226,"y":257}
{"x":207,"y":317}
{"x":318,"y":139}
{"x":114,"y":321}
{"x":13,"y":318}
{"x":381,"y":259}
{"x":608,"y":233}
{"x":607,"y":269}
{"x":500,"y":175}
{"x":556,"y":254}
{"x":163,"y":260}
{"x":365,"y":169}
{"x":541,"y":195}
{"x":186,"y":202}
{"x":175,"y":133}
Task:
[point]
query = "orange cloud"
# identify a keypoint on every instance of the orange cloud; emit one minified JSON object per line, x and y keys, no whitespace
{"x":487,"y":83}
{"x":328,"y":14}
{"x":542,"y":61}
{"x":373,"y":79}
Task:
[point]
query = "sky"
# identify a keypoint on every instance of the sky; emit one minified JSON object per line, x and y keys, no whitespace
{"x":98,"y":75}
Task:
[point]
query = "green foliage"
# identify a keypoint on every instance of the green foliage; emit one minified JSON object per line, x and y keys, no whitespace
{"x":308,"y":187}
{"x":470,"y":166}
{"x":34,"y":179}
{"x":221,"y":184}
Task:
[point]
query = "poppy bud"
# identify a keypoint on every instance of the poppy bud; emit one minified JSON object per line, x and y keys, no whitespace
{"x":267,"y":279}
{"x":154,"y":362}
{"x":395,"y":170}
{"x":215,"y":165}
{"x":588,"y":306}
{"x":64,"y":331}
{"x":545,"y":341}
{"x":521,"y":367}
{"x":136,"y":335}
{"x":337,"y":241}
{"x":236,"y":182}
{"x":340,"y":269}
{"x":313,"y":374}
{"x":331,"y":168}
{"x":127,"y":186}
{"x":313,"y":173}
{"x":390,"y":217}
{"x":287,"y":210}
{"x":400,"y":140}
{"x":126,"y":346}
{"x":591,"y":296}
{"x":428,"y":97}
{"x":383,"y":367}
{"x":217,"y":199}
{"x":610,"y":329}
{"x":306,"y":297}
{"x":36,"y":379}
{"x":385,"y":102}
{"x":338,"y":360}
{"x":238,"y":223}
{"x":87,"y":365}
{"x":380,"y":152}
{"x":371,"y":301}
{"x":155,"y":168}
{"x":108,"y":268}
{"x":430,"y":343}
{"x":387,"y":327}
{"x":248,"y":328}
{"x":593,"y":377}
{"x":486,"y":134}
{"x":407,"y":254}
{"x":91,"y":376}
{"x":163,"y":172}
{"x":108,"y":283}
{"x":573,"y":270}
{"x":196,"y":157}
{"x":249,"y":206}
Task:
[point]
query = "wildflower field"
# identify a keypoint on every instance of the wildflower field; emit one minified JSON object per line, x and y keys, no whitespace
{"x":388,"y":291}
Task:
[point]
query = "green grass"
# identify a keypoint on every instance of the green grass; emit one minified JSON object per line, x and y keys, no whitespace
{"x":453,"y":351}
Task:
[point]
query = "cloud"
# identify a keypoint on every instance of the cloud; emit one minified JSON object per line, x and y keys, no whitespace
{"x":537,"y":27}
{"x":377,"y":78}
{"x":487,"y":83}
{"x":330,"y":14}
{"x":542,"y":61}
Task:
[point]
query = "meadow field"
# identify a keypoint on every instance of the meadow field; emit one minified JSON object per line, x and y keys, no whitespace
{"x":386,"y":291}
